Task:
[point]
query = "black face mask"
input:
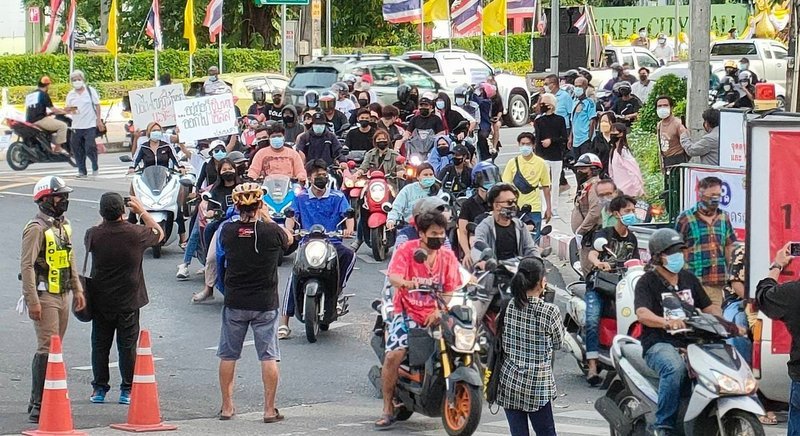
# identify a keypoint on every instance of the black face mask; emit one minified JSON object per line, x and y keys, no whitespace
{"x":228,"y":176}
{"x":373,"y":124}
{"x":434,"y":243}
{"x":288,"y":120}
{"x":276,"y":100}
{"x":363,"y":123}
{"x":624,"y":92}
{"x":424,"y":111}
{"x":509,"y":212}
{"x":54,"y":210}
{"x":321,"y":182}
{"x":458,"y":160}
{"x":614,"y":139}
{"x":363,"y":102}
{"x":262,"y":142}
{"x":443,"y":150}
{"x":545,"y":107}
{"x":413,"y":98}
{"x":308,"y":126}
{"x":382,"y":145}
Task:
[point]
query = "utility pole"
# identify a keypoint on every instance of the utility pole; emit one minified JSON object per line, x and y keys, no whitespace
{"x":555,"y":21}
{"x":793,"y":72}
{"x":699,"y":53}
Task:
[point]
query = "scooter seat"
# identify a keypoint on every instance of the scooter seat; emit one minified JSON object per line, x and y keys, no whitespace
{"x":578,"y":289}
{"x":633,"y":352}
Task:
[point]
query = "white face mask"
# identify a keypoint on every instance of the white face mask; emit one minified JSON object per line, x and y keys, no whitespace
{"x":663,"y":112}
{"x":77,"y":84}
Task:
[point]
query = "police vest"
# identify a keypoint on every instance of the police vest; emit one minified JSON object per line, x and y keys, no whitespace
{"x":53,"y":262}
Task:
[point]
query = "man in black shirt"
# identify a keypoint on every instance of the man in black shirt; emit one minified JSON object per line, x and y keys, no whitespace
{"x":627,"y":106}
{"x":327,"y":102}
{"x":36,"y":105}
{"x":427,"y":118}
{"x":484,"y":176}
{"x":456,"y":176}
{"x":274,"y":110}
{"x":360,"y":138}
{"x":664,"y":297}
{"x":248,"y":251}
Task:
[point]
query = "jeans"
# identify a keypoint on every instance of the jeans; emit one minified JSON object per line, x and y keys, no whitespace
{"x":541,"y":420}
{"x":734,"y":312}
{"x":347,"y":259}
{"x":664,"y":359}
{"x":794,"y":410}
{"x":126,"y":326}
{"x":191,"y":244}
{"x":83,"y":146}
{"x":594,"y":307}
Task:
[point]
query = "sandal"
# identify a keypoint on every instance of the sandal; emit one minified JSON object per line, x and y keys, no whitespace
{"x":385,"y":423}
{"x":275,"y":418}
{"x":226,"y":417}
{"x":593,"y":378}
{"x":202,"y":296}
{"x":284,"y":332}
{"x":768,"y":419}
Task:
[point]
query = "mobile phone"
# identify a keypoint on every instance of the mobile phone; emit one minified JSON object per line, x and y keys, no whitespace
{"x":794,"y":249}
{"x":127,"y":201}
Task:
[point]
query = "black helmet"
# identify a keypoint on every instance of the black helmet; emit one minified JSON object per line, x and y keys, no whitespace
{"x":570,"y":76}
{"x":619,"y":86}
{"x":403,"y":91}
{"x":664,"y":239}
{"x":259,"y":96}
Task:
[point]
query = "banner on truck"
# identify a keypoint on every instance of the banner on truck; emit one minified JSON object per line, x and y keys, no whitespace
{"x":206,"y":117}
{"x":733,"y":201}
{"x":155,"y":105}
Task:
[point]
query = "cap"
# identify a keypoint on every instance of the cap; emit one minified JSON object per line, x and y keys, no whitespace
{"x":428,"y":204}
{"x":45,"y":80}
{"x":318,"y":118}
{"x":460,"y":150}
{"x":744,"y":60}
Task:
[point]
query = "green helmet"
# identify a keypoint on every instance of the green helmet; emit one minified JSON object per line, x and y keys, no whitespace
{"x":664,"y":239}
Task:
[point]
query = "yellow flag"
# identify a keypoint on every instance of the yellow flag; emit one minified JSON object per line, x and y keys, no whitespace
{"x":111,"y":43}
{"x":494,"y":17}
{"x":188,"y":26}
{"x":433,"y":10}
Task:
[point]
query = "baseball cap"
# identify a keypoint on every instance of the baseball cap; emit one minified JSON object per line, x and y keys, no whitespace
{"x":318,"y":118}
{"x":45,"y":80}
{"x":429,"y":204}
{"x":460,"y":150}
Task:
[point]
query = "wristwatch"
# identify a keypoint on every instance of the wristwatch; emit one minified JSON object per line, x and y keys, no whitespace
{"x":776,"y":266}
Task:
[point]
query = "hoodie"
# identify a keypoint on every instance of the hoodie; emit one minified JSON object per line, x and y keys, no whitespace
{"x":450,"y":116}
{"x":291,"y":133}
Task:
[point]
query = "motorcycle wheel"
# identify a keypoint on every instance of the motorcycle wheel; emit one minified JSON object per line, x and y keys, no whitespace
{"x":628,"y":403}
{"x":735,"y":422}
{"x":16,"y":157}
{"x":310,"y":319}
{"x":463,"y":418}
{"x":378,"y":244}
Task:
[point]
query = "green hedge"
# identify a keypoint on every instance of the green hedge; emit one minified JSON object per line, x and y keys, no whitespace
{"x":520,"y":68}
{"x":519,"y":47}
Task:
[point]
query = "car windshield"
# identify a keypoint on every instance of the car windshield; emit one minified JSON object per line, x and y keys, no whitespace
{"x":428,"y":64}
{"x":734,"y":49}
{"x":313,"y":77}
{"x":155,"y":177}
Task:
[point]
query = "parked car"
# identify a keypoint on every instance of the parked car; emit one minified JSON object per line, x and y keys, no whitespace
{"x":387,"y":74}
{"x":768,"y":58}
{"x":458,"y":67}
{"x":242,"y":85}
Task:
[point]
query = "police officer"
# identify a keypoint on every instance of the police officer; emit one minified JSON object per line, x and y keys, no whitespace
{"x":48,"y":275}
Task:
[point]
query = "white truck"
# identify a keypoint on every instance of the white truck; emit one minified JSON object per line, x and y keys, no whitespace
{"x":768,"y":58}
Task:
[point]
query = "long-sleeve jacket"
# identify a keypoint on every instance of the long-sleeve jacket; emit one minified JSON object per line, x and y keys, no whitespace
{"x":706,"y":150}
{"x":485,"y":232}
{"x":326,"y":147}
{"x":32,"y":254}
{"x":586,"y":215}
{"x":403,"y":205}
{"x":780,"y":302}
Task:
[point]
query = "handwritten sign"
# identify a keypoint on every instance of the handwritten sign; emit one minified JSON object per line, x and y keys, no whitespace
{"x":155,"y":105}
{"x":206,"y":117}
{"x":732,"y":138}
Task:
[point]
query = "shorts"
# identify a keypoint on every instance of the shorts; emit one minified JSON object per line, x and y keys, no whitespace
{"x":398,"y":332}
{"x":234,"y":328}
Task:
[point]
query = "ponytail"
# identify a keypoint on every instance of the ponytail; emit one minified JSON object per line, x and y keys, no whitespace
{"x":529,"y":274}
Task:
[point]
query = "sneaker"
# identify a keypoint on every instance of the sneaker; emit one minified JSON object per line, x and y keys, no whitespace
{"x":81,"y":176}
{"x":95,"y":173}
{"x":98,"y":396}
{"x":125,"y":397}
{"x":183,"y":272}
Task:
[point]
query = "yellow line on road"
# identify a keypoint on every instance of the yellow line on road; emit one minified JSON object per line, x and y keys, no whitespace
{"x":16,"y":185}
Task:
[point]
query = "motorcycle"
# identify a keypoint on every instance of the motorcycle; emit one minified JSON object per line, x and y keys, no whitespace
{"x":353,"y":185}
{"x":420,"y":144}
{"x":377,"y":197}
{"x":723,"y":397}
{"x":279,"y":193}
{"x":157,"y":187}
{"x":315,"y":279}
{"x":440,"y":376}
{"x":33,"y":145}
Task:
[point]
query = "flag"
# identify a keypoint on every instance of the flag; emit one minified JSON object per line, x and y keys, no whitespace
{"x":494,"y":17}
{"x":111,"y":43}
{"x":401,"y":11}
{"x":581,"y":23}
{"x":188,"y":26}
{"x":434,"y":10}
{"x":153,"y":27}
{"x":521,"y":7}
{"x":55,"y":5}
{"x":69,"y":30}
{"x":214,"y":19}
{"x":466,"y":16}
{"x":541,"y":26}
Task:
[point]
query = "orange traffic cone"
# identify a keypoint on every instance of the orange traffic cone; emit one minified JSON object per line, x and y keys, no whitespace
{"x":56,"y":414}
{"x":144,"y":414}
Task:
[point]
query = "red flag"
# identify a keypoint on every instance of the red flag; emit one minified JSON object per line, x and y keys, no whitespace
{"x":213,"y":19}
{"x":55,"y":5}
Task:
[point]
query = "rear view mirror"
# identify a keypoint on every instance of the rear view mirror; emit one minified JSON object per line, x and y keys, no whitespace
{"x":205,"y":196}
{"x":546,"y":230}
{"x":345,"y":151}
{"x":289,"y":213}
{"x":487,"y":253}
{"x":187,"y":183}
{"x":480,"y":245}
{"x":526,"y":209}
{"x":600,"y":244}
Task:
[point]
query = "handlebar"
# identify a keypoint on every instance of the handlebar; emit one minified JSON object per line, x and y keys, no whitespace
{"x":336,"y":234}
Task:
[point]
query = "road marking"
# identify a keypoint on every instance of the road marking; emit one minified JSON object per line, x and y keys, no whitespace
{"x":110,"y":365}
{"x":339,"y":324}
{"x":22,"y":194}
{"x":581,"y":414}
{"x":17,"y":185}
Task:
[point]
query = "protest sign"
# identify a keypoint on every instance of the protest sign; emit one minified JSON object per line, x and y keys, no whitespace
{"x":206,"y":117}
{"x":155,"y":105}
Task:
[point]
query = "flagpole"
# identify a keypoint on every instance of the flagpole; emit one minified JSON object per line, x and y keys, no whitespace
{"x":155,"y":64}
{"x":533,"y":28}
{"x":71,"y":60}
{"x":283,"y":40}
{"x":191,"y":67}
{"x":421,"y":26}
{"x":449,"y":27}
{"x":505,"y":32}
{"x":219,"y":54}
{"x":481,"y":30}
{"x":116,"y":68}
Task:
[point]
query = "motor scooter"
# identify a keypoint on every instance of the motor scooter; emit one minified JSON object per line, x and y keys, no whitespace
{"x":315,"y":279}
{"x":352,"y":184}
{"x":723,"y":397}
{"x":420,"y":144}
{"x":33,"y":145}
{"x":279,"y":192}
{"x":377,"y":198}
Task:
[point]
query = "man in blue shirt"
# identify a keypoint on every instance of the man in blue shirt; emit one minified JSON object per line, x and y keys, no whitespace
{"x":323,"y":205}
{"x":563,"y":99}
{"x":584,"y":113}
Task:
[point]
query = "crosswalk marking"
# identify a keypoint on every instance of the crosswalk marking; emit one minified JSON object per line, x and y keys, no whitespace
{"x":67,"y":172}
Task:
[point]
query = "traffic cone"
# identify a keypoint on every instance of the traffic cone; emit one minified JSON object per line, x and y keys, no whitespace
{"x":144,"y":414}
{"x":56,"y":415}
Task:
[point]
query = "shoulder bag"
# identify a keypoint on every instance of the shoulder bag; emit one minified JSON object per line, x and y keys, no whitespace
{"x":497,"y":356}
{"x":85,"y":314}
{"x":520,"y":182}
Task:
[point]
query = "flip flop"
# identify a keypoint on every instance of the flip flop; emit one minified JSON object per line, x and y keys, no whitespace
{"x":385,"y":423}
{"x":276,"y":418}
{"x":201,"y":296}
{"x":768,"y":420}
{"x":226,"y":417}
{"x":284,"y":332}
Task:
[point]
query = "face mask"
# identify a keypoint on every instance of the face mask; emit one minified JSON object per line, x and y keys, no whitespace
{"x":288,"y":120}
{"x":642,"y":78}
{"x":458,"y":160}
{"x":213,"y":78}
{"x":318,"y":129}
{"x":54,"y":210}
{"x":604,"y":202}
{"x":413,"y":97}
{"x":744,"y":67}
{"x":545,"y":107}
{"x":427,"y":182}
{"x":614,"y":139}
{"x":629,"y":219}
{"x":434,"y":243}
{"x":525,"y":150}
{"x":460,"y":101}
{"x":363,"y":102}
{"x":726,"y":87}
{"x":382,"y":145}
{"x":605,"y":127}
{"x":509,"y":212}
{"x":363,"y":123}
{"x":440,"y":105}
{"x":156,"y":135}
{"x":547,"y":90}
{"x":228,"y":176}
{"x":78,"y":84}
{"x":276,"y":142}
{"x":277,"y":100}
{"x":674,"y":262}
{"x":220,"y":154}
{"x":663,"y":112}
{"x":487,"y":186}
{"x":662,"y":41}
{"x":709,"y":206}
{"x":424,"y":111}
{"x":624,"y":92}
{"x":320,"y":182}
{"x":578,"y":92}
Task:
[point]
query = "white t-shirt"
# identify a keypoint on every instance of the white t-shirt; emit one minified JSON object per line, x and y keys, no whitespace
{"x":85,"y":117}
{"x":663,"y":52}
{"x":345,"y":106}
{"x":641,"y":91}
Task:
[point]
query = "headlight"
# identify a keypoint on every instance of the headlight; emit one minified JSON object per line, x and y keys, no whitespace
{"x":465,"y":339}
{"x":377,"y":192}
{"x":315,"y":253}
{"x":415,"y":160}
{"x":348,"y":183}
{"x":727,"y":385}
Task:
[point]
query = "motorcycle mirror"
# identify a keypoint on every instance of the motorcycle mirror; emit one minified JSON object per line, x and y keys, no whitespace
{"x":205,"y":196}
{"x":546,"y":230}
{"x":487,"y":253}
{"x":187,"y":183}
{"x":600,"y":244}
{"x":350,"y":213}
{"x":420,"y":255}
{"x":345,"y":151}
{"x":491,"y":265}
{"x":289,"y":213}
{"x":526,"y":209}
{"x":125,"y":158}
{"x":479,"y":245}
{"x":351,"y":164}
{"x":386,"y":207}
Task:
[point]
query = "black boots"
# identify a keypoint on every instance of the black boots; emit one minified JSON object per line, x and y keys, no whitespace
{"x":38,"y":370}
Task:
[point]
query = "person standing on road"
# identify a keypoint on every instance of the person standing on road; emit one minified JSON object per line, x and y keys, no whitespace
{"x":531,"y":332}
{"x":118,"y":288}
{"x":706,"y":150}
{"x":37,"y":104}
{"x":551,"y":141}
{"x":531,"y":176}
{"x":584,"y":118}
{"x":248,"y":250}
{"x":669,"y":134}
{"x":709,"y":233}
{"x":49,"y":273}
{"x":86,"y":120}
{"x":622,"y":166}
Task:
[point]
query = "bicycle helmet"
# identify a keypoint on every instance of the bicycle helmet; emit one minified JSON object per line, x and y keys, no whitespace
{"x":311,"y":98}
{"x":589,"y":160}
{"x":403,"y":92}
{"x":327,"y":101}
{"x":485,"y":174}
{"x":247,"y":194}
{"x":663,"y":240}
{"x":49,"y":186}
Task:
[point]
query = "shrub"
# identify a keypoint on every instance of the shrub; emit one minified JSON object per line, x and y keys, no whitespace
{"x":520,"y":68}
{"x":644,"y":146}
{"x":669,"y":85}
{"x":519,"y":47}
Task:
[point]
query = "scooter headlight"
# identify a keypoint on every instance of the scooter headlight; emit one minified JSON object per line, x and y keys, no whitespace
{"x":377,"y":192}
{"x":315,"y":253}
{"x":464,"y":339}
{"x":727,"y":385}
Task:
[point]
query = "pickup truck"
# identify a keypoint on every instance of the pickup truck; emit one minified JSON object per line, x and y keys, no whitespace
{"x":768,"y":58}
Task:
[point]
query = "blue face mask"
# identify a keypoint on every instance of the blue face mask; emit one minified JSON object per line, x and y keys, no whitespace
{"x":156,"y":135}
{"x":460,"y":101}
{"x":526,"y":150}
{"x":220,"y":154}
{"x":427,"y":182}
{"x":440,"y":105}
{"x":578,"y":92}
{"x":318,"y":128}
{"x":674,"y":262}
{"x":276,"y":142}
{"x":629,"y":219}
